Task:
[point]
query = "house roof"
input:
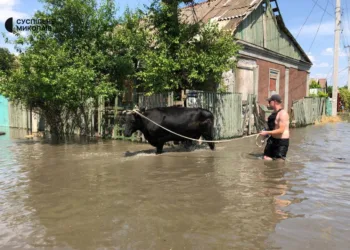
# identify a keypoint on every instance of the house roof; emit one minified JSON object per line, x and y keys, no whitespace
{"x":229,"y":14}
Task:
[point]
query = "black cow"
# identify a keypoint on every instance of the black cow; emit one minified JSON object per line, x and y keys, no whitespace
{"x":190,"y":122}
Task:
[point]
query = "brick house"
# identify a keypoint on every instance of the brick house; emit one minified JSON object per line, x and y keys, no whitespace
{"x":271,"y":60}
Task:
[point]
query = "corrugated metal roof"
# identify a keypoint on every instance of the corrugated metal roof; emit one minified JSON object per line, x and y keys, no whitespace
{"x":229,"y":13}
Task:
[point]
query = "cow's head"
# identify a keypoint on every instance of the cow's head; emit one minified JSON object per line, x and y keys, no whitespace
{"x":133,"y":123}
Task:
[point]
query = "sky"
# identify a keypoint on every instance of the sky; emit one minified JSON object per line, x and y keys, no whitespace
{"x":311,"y":24}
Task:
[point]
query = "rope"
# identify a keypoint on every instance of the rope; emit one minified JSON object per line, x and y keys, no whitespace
{"x":186,"y":136}
{"x":262,"y":140}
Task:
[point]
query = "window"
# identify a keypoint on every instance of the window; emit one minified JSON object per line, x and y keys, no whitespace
{"x":273,"y":82}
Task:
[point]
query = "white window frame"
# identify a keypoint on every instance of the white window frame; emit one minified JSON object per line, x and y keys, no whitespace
{"x":277,"y":81}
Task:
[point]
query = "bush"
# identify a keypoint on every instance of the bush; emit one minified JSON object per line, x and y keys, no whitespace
{"x":314,"y":85}
{"x":322,"y":94}
{"x":345,"y":97}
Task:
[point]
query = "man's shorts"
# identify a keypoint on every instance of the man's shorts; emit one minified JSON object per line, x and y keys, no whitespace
{"x":276,"y":148}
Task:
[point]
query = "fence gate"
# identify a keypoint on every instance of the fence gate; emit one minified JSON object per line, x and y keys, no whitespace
{"x":4,"y":114}
{"x":226,"y":108}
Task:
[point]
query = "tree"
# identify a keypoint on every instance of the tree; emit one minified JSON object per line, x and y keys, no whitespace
{"x":62,"y":70}
{"x":345,"y":97}
{"x":183,"y":55}
{"x":330,"y":91}
{"x":7,"y":61}
{"x":314,"y":85}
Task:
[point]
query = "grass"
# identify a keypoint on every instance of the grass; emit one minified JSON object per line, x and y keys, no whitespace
{"x":329,"y":119}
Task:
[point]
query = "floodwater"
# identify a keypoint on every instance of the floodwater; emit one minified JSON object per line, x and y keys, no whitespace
{"x":119,"y":195}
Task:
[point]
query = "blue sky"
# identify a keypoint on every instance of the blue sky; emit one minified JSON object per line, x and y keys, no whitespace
{"x":294,"y":13}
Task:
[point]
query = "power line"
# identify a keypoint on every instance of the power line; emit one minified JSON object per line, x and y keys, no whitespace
{"x":347,"y":15}
{"x":324,"y":9}
{"x":344,"y":38}
{"x":319,"y":26}
{"x":343,"y":70}
{"x":313,"y":7}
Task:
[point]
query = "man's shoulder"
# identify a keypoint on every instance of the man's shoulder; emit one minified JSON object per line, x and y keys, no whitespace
{"x":283,"y":114}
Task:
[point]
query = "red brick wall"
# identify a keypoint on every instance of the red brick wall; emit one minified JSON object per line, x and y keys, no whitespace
{"x":264,"y":79}
{"x":297,"y":82}
{"x":297,"y":85}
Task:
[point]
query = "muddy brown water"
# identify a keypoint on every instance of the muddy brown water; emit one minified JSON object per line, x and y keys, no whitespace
{"x":119,"y":195}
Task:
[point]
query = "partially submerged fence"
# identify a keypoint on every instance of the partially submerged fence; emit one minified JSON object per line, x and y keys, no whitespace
{"x":232,"y":117}
{"x":308,"y":110}
{"x":226,"y":108}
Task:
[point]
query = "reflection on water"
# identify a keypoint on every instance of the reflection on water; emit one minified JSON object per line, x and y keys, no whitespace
{"x":120,"y":195}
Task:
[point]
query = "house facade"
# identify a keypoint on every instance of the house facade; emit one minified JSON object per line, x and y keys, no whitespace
{"x":271,"y":60}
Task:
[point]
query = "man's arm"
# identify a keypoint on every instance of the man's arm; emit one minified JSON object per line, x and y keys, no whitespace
{"x":282,"y":123}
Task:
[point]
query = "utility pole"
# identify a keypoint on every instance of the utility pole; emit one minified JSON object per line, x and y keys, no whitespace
{"x":336,"y":58}
{"x":348,"y":67}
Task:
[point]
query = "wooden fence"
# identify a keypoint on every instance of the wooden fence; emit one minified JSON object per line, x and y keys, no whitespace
{"x":156,"y":100}
{"x":308,"y":110}
{"x":18,"y":116}
{"x":232,"y":117}
{"x":226,"y":108}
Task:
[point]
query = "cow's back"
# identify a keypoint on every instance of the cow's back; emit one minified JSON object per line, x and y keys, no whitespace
{"x":184,"y":121}
{"x":183,"y":113}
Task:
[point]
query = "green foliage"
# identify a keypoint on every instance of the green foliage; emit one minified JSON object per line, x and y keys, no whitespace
{"x":60,"y":70}
{"x":345,"y":96}
{"x":7,"y":61}
{"x":322,"y":94}
{"x":89,"y":53}
{"x":181,"y":55}
{"x":315,"y":85}
{"x":330,"y":91}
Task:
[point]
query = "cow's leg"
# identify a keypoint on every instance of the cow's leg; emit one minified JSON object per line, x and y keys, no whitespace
{"x":162,"y":141}
{"x":207,"y":130}
{"x":188,"y":144}
{"x":159,"y":148}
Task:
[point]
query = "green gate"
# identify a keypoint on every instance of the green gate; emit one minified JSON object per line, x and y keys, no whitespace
{"x":4,"y":112}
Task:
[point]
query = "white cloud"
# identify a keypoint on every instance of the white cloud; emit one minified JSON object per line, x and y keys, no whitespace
{"x":316,"y":63}
{"x":330,"y":52}
{"x":311,"y":57}
{"x":7,"y":10}
{"x":319,"y":75}
{"x":326,"y":29}
{"x":321,"y":65}
{"x":7,"y":3}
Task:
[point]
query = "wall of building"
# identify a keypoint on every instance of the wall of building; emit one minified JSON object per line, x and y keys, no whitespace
{"x":261,"y":28}
{"x":297,"y":85}
{"x":264,"y":79}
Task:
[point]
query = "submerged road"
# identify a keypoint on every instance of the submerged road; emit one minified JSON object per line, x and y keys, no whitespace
{"x":120,"y":195}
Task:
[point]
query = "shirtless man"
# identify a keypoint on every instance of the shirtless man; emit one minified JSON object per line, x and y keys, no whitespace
{"x":278,"y":123}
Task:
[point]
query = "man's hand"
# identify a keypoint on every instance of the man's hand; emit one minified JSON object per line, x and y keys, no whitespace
{"x":264,"y":133}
